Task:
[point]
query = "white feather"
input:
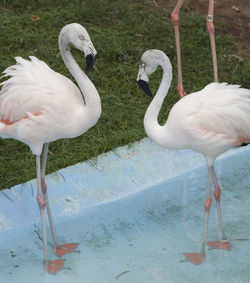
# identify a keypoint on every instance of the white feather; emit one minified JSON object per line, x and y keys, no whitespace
{"x":39,"y":105}
{"x":209,"y":121}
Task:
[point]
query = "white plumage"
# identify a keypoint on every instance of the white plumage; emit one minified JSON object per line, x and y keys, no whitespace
{"x":39,"y":105}
{"x":210,"y":121}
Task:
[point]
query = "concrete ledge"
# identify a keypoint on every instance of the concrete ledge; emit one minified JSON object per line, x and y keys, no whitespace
{"x":111,"y":176}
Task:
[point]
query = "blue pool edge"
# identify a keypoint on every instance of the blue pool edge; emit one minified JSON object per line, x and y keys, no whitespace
{"x":111,"y":176}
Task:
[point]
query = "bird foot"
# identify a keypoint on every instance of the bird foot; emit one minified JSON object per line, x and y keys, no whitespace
{"x":65,"y":249}
{"x":195,"y":258}
{"x":54,"y":266}
{"x":221,"y":245}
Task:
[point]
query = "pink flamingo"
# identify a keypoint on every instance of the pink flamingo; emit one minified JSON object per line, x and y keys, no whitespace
{"x":39,"y":105}
{"x":210,"y":28}
{"x":210,"y":121}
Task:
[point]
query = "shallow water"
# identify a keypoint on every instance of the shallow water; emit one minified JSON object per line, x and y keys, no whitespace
{"x":142,"y":238}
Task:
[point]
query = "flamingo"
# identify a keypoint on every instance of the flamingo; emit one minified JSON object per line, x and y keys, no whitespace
{"x":210,"y":28}
{"x":210,"y":121}
{"x":39,"y":105}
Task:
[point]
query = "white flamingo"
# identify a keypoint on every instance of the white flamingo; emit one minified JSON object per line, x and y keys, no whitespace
{"x":39,"y":105}
{"x":210,"y":121}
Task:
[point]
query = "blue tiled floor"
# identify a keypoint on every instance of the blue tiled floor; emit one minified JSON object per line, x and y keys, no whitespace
{"x":141,"y":237}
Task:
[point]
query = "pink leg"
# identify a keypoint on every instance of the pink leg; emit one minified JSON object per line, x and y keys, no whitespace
{"x":55,"y":265}
{"x":210,"y":28}
{"x":175,"y":20}
{"x":223,"y":244}
{"x":198,"y":258}
{"x":59,"y":250}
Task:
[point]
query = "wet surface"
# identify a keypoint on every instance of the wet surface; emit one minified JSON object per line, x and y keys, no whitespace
{"x":142,"y":238}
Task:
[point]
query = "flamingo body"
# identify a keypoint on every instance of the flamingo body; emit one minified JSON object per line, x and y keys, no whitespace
{"x":39,"y":105}
{"x":212,"y":120}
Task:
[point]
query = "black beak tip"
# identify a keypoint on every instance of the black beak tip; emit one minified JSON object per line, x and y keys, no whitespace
{"x":145,"y":87}
{"x":90,"y":61}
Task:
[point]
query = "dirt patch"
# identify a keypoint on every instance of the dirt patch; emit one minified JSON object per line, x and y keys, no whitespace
{"x":236,"y":14}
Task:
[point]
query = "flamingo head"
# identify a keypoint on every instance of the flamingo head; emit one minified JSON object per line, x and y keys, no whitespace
{"x":149,"y":62}
{"x":76,"y":35}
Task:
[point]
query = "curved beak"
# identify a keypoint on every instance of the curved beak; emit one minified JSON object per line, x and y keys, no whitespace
{"x":90,"y":54}
{"x":90,"y":61}
{"x":142,"y":81}
{"x":145,"y":87}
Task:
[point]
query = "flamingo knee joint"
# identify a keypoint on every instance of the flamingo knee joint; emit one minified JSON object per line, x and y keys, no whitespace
{"x":207,"y":204}
{"x":175,"y":17}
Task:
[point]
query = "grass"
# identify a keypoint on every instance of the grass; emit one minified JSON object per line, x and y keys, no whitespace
{"x":121,"y":31}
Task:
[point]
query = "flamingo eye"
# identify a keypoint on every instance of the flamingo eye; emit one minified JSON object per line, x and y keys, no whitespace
{"x":143,"y":65}
{"x":81,"y":37}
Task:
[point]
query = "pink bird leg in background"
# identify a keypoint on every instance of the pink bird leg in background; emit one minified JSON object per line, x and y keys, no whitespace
{"x":210,"y":28}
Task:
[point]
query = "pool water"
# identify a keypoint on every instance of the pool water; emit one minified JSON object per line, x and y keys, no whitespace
{"x":141,"y":238}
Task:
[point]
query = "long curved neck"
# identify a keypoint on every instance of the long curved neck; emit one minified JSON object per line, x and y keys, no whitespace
{"x":89,"y":92}
{"x":152,"y":127}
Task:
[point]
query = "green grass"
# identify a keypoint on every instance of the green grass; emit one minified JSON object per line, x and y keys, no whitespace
{"x":121,"y":31}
